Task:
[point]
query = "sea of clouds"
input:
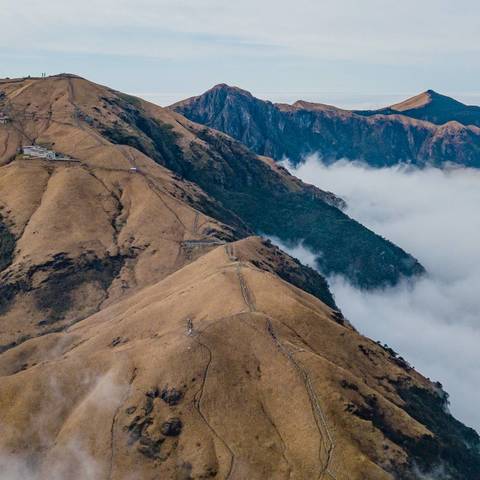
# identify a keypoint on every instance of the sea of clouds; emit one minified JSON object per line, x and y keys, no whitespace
{"x":434,"y":215}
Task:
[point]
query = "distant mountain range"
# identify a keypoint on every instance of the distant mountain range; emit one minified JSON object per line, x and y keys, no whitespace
{"x":427,"y":129}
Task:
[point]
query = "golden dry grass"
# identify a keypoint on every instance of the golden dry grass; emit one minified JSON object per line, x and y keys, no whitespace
{"x":260,"y":367}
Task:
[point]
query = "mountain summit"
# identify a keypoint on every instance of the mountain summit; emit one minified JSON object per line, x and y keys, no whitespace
{"x":422,"y":100}
{"x":439,"y":109}
{"x":147,"y":333}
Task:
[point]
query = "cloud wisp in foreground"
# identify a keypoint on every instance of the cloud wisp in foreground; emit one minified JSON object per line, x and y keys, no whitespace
{"x":433,"y":214}
{"x":69,"y":457}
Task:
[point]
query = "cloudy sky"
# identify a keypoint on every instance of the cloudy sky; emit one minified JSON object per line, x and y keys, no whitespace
{"x":348,"y":52}
{"x":432,"y":214}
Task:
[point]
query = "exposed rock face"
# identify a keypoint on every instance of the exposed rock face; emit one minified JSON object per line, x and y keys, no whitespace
{"x":401,"y":133}
{"x":145,"y":338}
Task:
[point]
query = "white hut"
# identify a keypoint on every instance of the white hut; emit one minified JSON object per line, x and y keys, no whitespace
{"x":38,"y":152}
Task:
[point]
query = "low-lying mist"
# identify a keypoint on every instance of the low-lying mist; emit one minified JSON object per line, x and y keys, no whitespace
{"x":434,"y":215}
{"x":60,"y":456}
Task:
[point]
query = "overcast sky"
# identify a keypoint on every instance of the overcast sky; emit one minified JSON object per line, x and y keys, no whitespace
{"x":349,"y":52}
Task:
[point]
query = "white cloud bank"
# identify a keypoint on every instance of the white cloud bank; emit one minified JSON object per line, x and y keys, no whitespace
{"x":434,"y":215}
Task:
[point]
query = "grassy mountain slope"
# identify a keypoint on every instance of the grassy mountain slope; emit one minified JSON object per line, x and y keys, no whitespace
{"x":142,"y":337}
{"x":240,"y":181}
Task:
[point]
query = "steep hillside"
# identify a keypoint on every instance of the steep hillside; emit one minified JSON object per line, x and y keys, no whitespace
{"x":143,"y":338}
{"x":93,"y":119}
{"x":380,"y":138}
{"x":222,"y":370}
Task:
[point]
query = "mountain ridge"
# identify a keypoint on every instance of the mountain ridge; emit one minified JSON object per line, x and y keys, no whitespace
{"x":239,"y":181}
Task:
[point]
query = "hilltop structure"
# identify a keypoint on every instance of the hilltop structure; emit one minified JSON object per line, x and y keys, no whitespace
{"x":38,"y":151}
